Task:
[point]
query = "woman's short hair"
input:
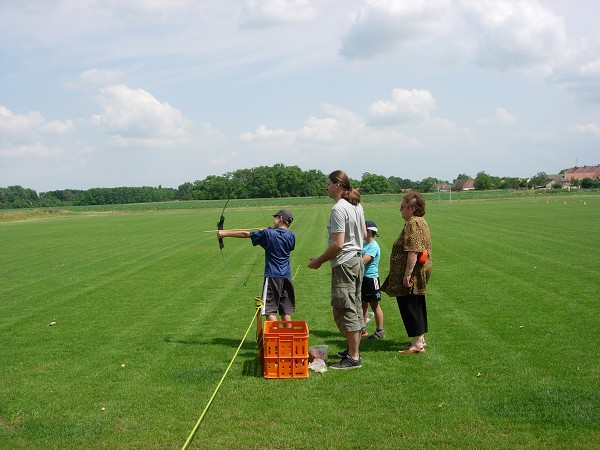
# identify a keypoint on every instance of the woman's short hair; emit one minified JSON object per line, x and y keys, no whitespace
{"x":414,"y":198}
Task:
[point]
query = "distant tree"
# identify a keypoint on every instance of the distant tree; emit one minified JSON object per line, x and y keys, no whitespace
{"x":398,"y":185}
{"x":538,"y":179}
{"x":426,"y":185}
{"x":289,"y":181}
{"x":48,"y":201}
{"x":463,"y":176}
{"x":18,"y":197}
{"x":484,"y":182}
{"x":374,"y":184}
{"x":510,"y":183}
{"x":212,"y":187}
{"x":264,"y":183}
{"x":184,"y":191}
{"x":588,"y":183}
{"x":65,"y":196}
{"x":315,"y":183}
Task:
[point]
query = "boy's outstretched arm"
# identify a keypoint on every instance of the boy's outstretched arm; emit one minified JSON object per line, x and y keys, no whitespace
{"x":232,"y":233}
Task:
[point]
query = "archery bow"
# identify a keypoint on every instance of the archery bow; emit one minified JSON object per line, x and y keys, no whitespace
{"x":220,"y":227}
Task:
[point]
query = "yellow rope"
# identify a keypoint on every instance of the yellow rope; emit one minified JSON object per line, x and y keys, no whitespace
{"x":193,"y":433}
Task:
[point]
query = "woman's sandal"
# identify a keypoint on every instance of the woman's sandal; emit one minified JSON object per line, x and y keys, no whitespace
{"x":411,"y":350}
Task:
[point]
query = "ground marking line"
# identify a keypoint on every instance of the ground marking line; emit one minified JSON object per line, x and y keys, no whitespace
{"x":195,"y":429}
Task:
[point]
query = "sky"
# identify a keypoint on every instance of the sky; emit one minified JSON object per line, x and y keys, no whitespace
{"x":108,"y":93}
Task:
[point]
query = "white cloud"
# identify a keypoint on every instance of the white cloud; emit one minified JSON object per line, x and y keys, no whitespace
{"x":36,"y":150}
{"x":342,"y":127}
{"x":19,"y":123}
{"x":592,"y":129}
{"x":58,"y":127}
{"x":263,"y":134}
{"x":405,"y":106}
{"x":265,"y":13}
{"x":515,"y":34}
{"x":590,"y":68}
{"x":320,"y":130}
{"x":501,"y":116}
{"x":383,"y":26}
{"x":136,"y":116}
{"x":101,"y":77}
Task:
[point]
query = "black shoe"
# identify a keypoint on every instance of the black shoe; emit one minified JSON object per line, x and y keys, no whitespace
{"x":343,"y":354}
{"x":347,"y":363}
{"x":377,"y":335}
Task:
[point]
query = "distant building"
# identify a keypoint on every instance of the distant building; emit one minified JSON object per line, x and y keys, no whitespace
{"x":464,"y":185}
{"x":442,"y":187}
{"x":580,"y":173}
{"x":551,"y":180}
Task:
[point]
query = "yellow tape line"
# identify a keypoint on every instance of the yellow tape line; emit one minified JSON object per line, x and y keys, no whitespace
{"x":193,"y":433}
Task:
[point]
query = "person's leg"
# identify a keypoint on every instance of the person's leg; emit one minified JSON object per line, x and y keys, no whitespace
{"x":347,"y":306}
{"x":353,"y":338}
{"x":415,"y":323}
{"x":378,"y":315}
{"x":365,"y":310}
{"x":287,"y":299}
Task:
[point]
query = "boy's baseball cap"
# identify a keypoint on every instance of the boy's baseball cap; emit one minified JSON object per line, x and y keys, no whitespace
{"x":285,"y":215}
{"x":371,"y":226}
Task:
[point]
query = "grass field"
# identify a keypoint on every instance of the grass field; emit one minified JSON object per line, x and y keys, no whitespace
{"x":148,"y":316}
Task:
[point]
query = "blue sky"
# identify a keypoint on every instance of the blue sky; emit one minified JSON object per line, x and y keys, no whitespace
{"x":105,"y":93}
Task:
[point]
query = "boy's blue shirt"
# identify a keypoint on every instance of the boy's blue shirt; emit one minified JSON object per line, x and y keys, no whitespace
{"x":278,"y":244}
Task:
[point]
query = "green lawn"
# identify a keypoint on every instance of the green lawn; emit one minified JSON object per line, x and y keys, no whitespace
{"x":149,"y":315}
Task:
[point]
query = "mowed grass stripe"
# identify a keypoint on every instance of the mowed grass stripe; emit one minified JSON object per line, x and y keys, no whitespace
{"x":513,"y":309}
{"x":101,"y":262}
{"x":117,"y":313}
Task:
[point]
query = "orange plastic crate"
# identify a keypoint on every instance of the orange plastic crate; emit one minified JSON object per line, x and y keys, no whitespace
{"x":285,"y":349}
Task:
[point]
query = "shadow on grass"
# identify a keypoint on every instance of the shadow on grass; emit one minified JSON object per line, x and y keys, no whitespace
{"x":336,"y":340}
{"x":253,"y":368}
{"x":249,"y":343}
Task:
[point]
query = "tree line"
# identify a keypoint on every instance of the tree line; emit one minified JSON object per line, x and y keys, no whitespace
{"x":258,"y":182}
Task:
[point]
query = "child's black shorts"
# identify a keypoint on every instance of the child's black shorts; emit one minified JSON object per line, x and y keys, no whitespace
{"x":370,"y":290}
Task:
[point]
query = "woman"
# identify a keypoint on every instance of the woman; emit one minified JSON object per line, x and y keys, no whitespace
{"x":410,"y":268}
{"x":346,"y":229}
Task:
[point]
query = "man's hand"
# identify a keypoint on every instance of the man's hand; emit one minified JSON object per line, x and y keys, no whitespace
{"x":314,"y":263}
